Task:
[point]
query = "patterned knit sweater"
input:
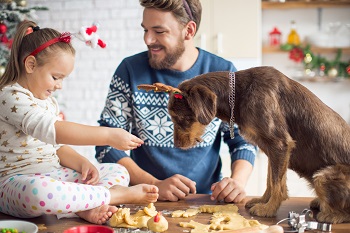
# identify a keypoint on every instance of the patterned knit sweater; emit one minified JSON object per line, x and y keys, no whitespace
{"x":145,"y":115}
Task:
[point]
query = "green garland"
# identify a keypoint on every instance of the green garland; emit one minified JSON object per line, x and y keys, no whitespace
{"x":317,"y":62}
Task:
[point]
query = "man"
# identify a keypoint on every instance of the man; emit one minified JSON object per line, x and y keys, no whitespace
{"x":169,"y":29}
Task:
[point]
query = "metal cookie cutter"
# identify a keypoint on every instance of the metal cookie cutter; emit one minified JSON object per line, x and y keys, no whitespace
{"x":299,"y":224}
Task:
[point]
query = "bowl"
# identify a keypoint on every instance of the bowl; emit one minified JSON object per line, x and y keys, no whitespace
{"x":90,"y":229}
{"x":21,"y":226}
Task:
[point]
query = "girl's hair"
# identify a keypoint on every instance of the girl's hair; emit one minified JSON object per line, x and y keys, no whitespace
{"x":24,"y":44}
{"x":183,"y":10}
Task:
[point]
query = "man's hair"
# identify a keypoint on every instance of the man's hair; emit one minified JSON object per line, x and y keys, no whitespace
{"x":183,"y":10}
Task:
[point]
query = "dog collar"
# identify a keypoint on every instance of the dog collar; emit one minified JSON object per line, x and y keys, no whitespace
{"x":231,"y":100}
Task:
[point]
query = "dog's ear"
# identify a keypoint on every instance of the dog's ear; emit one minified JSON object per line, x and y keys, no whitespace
{"x":203,"y":103}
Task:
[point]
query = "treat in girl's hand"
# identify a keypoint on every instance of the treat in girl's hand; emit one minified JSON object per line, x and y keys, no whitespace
{"x":157,"y":223}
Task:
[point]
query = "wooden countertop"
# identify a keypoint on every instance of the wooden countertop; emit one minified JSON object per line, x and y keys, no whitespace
{"x":296,"y":204}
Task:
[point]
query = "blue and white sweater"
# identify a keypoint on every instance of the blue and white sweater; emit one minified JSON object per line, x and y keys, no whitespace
{"x":145,"y":115}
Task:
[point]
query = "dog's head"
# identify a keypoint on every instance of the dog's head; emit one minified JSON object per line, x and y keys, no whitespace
{"x":191,"y":107}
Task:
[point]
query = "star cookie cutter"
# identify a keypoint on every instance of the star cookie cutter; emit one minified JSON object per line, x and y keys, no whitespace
{"x":298,"y":222}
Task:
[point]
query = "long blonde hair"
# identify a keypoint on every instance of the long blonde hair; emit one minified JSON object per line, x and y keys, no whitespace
{"x":23,"y":44}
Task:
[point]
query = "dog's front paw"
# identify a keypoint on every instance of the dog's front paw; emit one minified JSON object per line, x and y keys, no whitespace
{"x":263,"y":210}
{"x":330,"y":217}
{"x":315,"y":203}
{"x":253,"y":202}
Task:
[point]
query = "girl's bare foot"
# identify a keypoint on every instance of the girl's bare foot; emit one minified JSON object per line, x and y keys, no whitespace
{"x":98,"y":215}
{"x":141,"y":193}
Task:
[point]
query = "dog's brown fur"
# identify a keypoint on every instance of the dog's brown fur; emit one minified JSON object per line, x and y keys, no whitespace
{"x":284,"y":119}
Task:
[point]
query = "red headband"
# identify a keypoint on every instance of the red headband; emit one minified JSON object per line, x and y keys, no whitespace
{"x":64,"y":37}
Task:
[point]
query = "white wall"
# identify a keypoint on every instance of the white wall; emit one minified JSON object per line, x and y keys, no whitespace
{"x":84,"y":92}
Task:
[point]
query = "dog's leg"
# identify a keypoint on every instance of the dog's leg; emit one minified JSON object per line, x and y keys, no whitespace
{"x":267,"y":194}
{"x":276,"y":190}
{"x":332,"y":186}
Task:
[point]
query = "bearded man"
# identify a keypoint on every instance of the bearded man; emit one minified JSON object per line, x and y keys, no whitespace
{"x":169,"y":30}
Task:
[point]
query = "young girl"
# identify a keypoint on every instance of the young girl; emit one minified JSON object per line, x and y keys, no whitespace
{"x":39,"y":174}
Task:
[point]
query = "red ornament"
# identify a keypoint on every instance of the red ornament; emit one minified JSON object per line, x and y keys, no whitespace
{"x":296,"y":54}
{"x":4,"y":39}
{"x":3,"y":28}
{"x":275,"y":37}
{"x":323,"y":67}
{"x":348,"y":69}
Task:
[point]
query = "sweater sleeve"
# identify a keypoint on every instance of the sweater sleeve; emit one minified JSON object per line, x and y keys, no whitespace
{"x":238,"y":147}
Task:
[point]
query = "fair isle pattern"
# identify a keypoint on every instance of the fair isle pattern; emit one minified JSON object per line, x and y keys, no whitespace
{"x":154,"y":122}
{"x":118,"y":111}
{"x":150,"y":113}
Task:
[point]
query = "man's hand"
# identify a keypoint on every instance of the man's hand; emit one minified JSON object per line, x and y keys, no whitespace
{"x":175,"y":188}
{"x":229,"y":190}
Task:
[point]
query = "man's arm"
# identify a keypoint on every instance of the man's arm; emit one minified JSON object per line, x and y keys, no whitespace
{"x":174,"y":188}
{"x":241,"y":171}
{"x":232,"y":189}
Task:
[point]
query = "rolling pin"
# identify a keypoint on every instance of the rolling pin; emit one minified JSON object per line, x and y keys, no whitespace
{"x":271,"y":229}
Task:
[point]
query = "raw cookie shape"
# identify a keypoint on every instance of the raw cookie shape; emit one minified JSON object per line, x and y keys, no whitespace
{"x":118,"y":217}
{"x":185,"y":214}
{"x":157,"y":223}
{"x":150,"y":210}
{"x":123,"y":218}
{"x":196,"y":226}
{"x":225,"y":217}
{"x":232,"y":221}
{"x":218,"y":208}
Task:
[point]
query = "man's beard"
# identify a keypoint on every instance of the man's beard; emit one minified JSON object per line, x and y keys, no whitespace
{"x":170,"y":58}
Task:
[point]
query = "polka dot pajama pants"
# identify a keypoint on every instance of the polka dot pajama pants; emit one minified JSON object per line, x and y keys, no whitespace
{"x":59,"y":192}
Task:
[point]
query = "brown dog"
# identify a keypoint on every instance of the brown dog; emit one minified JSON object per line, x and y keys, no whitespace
{"x":284,"y":119}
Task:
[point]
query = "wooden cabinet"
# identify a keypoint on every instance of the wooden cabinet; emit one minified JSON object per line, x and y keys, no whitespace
{"x":230,"y":29}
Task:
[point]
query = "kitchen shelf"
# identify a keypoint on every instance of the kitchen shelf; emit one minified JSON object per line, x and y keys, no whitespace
{"x":314,"y":49}
{"x":324,"y":79}
{"x":304,"y":4}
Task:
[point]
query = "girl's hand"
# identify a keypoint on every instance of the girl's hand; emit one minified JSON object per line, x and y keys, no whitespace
{"x":89,"y":173}
{"x":123,"y":140}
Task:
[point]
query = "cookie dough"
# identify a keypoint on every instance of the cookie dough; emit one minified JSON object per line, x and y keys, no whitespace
{"x":185,"y":213}
{"x":123,"y":218}
{"x":157,"y":223}
{"x":224,"y":217}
